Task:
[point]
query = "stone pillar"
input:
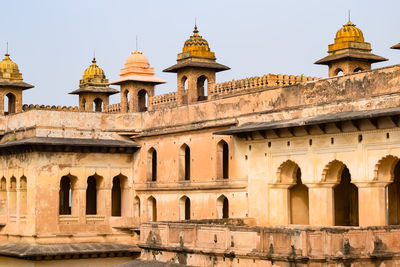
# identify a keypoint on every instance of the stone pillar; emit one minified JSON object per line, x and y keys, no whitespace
{"x":279,"y":205}
{"x":372,"y":204}
{"x":321,"y":204}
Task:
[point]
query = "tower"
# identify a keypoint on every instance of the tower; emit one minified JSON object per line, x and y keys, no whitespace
{"x":196,"y":66}
{"x":137,"y":83}
{"x":349,"y":53}
{"x":93,"y":91}
{"x":11,"y":86}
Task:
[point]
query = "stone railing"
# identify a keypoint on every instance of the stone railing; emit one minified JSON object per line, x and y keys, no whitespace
{"x":48,"y":107}
{"x":203,"y":243}
{"x":164,"y":100}
{"x":269,"y":80}
{"x":113,"y":108}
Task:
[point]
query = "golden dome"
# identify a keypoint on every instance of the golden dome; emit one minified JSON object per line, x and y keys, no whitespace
{"x":196,"y":47}
{"x":349,"y":32}
{"x":9,"y":69}
{"x":195,"y":42}
{"x":93,"y":71}
{"x":7,"y":65}
{"x":137,"y":59}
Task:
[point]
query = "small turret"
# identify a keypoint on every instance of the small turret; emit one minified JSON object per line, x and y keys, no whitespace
{"x":349,"y":53}
{"x":11,"y":86}
{"x":197,"y":66}
{"x":93,"y":91}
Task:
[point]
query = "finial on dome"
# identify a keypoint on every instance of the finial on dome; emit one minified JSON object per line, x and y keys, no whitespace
{"x":195,"y":31}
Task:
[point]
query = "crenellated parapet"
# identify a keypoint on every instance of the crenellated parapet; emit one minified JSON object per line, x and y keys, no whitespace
{"x":163,"y":100}
{"x":268,"y":80}
{"x":48,"y":107}
{"x":113,"y":108}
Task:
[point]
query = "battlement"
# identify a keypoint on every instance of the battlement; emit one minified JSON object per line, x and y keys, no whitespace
{"x":167,"y":99}
{"x":269,"y":80}
{"x":113,"y":108}
{"x":48,"y":107}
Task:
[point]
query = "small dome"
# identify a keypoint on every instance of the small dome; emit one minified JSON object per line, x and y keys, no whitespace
{"x":138,"y":60}
{"x":349,"y":32}
{"x":8,"y":66}
{"x":93,"y":71}
{"x":195,"y":43}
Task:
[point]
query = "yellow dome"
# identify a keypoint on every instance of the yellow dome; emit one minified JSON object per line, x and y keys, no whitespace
{"x":349,"y":32}
{"x":8,"y":66}
{"x":195,"y":43}
{"x":137,"y":59}
{"x":93,"y":71}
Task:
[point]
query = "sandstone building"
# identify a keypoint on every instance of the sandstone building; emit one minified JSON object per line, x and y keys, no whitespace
{"x":272,"y":170}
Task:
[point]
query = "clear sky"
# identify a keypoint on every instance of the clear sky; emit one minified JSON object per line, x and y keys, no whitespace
{"x":53,"y":41}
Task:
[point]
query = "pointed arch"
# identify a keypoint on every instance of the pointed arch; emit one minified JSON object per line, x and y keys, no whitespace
{"x":23,"y":196}
{"x":152,"y":165}
{"x":13,"y":196}
{"x":222,"y":160}
{"x":332,"y":171}
{"x":3,"y":196}
{"x":384,"y":169}
{"x":202,"y":87}
{"x":9,"y":103}
{"x":119,"y":193}
{"x":68,"y":199}
{"x":222,"y":207}
{"x":136,"y":206}
{"x":143,"y":100}
{"x":184,"y":162}
{"x":93,"y":196}
{"x":184,"y":208}
{"x":152,"y":209}
{"x":98,"y":105}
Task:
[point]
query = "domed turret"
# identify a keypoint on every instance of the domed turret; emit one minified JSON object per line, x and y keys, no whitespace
{"x":349,"y":53}
{"x":137,"y":81}
{"x":93,"y":89}
{"x":9,"y":69}
{"x":197,"y":65}
{"x":11,"y":86}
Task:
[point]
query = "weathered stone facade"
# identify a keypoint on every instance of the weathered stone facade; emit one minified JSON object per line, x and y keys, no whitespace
{"x":272,"y":170}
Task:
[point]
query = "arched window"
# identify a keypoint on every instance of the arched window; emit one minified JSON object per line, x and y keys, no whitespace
{"x":184,"y":162}
{"x":91,"y":195}
{"x":393,"y":196}
{"x":9,"y":104}
{"x":152,"y":209}
{"x":23,"y":196}
{"x":223,"y":207}
{"x":137,"y":207}
{"x":346,"y":200}
{"x":65,"y":196}
{"x":13,"y":196}
{"x":84,"y":104}
{"x":116,"y":197}
{"x":142,"y":100}
{"x":338,"y":72}
{"x":358,"y":69}
{"x":299,"y":212}
{"x":127,"y":99}
{"x":185,"y":85}
{"x":98,"y":105}
{"x":184,"y":208}
{"x":202,"y":88}
{"x":3,"y":196}
{"x":222,"y":160}
{"x":152,"y":165}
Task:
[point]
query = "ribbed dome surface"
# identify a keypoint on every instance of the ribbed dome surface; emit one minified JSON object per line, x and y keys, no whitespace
{"x":195,"y":43}
{"x":93,"y":71}
{"x":8,"y":66}
{"x":349,"y":32}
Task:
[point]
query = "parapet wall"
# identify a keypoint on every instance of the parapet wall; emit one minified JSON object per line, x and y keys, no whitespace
{"x":48,"y":107}
{"x":200,"y":244}
{"x":269,"y":80}
{"x":168,"y":99}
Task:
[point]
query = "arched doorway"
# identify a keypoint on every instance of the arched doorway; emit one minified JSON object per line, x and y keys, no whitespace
{"x":91,"y":195}
{"x":202,"y":88}
{"x":223,"y":207}
{"x":152,"y":209}
{"x":9,"y":104}
{"x":184,"y":162}
{"x":142,"y":100}
{"x":222,"y":160}
{"x":152,"y":164}
{"x":393,"y":196}
{"x":299,"y":211}
{"x":98,"y":105}
{"x":346,"y":200}
{"x":116,"y":196}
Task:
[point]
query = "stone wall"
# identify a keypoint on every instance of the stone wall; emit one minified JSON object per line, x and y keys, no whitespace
{"x":212,"y":244}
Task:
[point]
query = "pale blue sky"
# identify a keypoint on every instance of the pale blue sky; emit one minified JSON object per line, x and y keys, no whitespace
{"x":53,"y":41}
